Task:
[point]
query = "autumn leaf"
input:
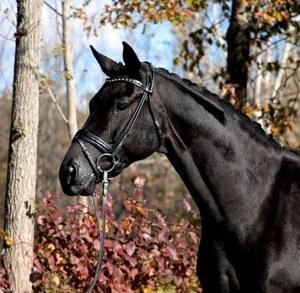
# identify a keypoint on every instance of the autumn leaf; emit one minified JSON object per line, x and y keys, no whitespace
{"x":55,"y":280}
{"x":148,"y":289}
{"x":8,"y":240}
{"x":130,"y":248}
{"x":68,"y":76}
{"x":127,"y":224}
{"x":193,"y":237}
{"x":143,"y":211}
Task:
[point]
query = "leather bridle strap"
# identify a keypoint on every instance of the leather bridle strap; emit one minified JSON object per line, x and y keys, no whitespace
{"x":126,"y":131}
{"x":113,"y":149}
{"x":90,"y":160}
{"x":94,"y":140}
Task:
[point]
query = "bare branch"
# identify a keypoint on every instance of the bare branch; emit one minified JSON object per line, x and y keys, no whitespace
{"x":56,"y":104}
{"x":284,"y":82}
{"x":52,"y":8}
{"x":269,"y":46}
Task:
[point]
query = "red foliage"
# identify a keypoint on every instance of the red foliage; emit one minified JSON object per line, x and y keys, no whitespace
{"x":143,"y":251}
{"x":4,"y":285}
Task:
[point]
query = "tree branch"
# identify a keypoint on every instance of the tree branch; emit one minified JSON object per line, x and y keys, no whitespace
{"x":52,"y":8}
{"x":56,"y":104}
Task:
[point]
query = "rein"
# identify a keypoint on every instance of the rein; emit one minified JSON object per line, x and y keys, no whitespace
{"x":110,"y":152}
{"x":101,"y":231}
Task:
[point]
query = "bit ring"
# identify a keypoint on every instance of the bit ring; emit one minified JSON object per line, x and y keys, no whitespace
{"x":102,"y":158}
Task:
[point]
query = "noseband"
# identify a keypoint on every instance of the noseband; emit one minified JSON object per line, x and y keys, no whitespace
{"x":110,"y":151}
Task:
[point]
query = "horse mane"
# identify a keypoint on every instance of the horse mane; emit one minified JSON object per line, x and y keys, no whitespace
{"x":252,"y":127}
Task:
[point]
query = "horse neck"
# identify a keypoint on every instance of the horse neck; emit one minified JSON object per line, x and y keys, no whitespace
{"x":222,"y":164}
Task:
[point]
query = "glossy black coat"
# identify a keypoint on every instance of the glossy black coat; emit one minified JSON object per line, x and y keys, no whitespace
{"x":245,"y":184}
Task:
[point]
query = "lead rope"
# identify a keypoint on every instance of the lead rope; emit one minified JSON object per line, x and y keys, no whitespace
{"x":101,"y":231}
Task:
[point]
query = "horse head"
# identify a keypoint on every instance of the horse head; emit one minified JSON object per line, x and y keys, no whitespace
{"x":120,"y":129}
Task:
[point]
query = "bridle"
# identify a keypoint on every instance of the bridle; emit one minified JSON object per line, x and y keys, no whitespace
{"x":110,"y":151}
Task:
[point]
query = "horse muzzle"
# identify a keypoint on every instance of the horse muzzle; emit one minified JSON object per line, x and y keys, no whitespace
{"x":72,"y":180}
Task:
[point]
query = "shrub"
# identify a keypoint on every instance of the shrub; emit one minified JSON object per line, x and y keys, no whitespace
{"x":144,"y":252}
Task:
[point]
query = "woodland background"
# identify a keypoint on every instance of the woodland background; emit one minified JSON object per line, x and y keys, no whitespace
{"x":247,"y":51}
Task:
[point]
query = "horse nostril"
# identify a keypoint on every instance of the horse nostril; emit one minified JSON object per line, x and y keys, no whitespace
{"x":72,"y":175}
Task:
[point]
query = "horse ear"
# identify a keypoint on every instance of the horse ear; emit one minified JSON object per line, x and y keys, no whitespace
{"x":110,"y":67}
{"x":131,"y":60}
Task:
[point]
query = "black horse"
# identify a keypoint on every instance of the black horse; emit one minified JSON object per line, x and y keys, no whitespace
{"x":246,"y":185}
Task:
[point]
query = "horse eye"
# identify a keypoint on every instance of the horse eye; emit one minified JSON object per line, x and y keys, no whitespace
{"x":122,"y":106}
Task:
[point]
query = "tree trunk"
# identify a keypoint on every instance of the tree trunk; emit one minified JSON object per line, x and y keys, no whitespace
{"x":69,"y":77}
{"x":22,"y":157}
{"x":281,"y":72}
{"x":69,"y":72}
{"x":238,"y":49}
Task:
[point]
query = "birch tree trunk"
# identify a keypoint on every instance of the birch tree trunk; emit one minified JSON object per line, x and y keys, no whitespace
{"x":22,"y":158}
{"x":69,"y":71}
{"x":70,"y":78}
{"x":281,"y":72}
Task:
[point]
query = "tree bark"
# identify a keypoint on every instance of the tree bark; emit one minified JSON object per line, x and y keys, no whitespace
{"x":238,"y":49}
{"x":70,"y":78}
{"x":69,"y":71}
{"x":22,"y":157}
{"x":281,"y":72}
